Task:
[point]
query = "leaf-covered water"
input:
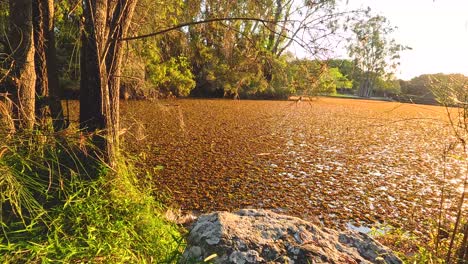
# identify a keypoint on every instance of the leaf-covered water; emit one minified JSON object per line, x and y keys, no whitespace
{"x":330,"y":160}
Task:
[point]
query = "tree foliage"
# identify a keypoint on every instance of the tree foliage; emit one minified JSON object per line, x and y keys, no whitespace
{"x":316,"y":77}
{"x":246,"y":54}
{"x":433,"y":88}
{"x":242,"y":56}
{"x":374,"y":52}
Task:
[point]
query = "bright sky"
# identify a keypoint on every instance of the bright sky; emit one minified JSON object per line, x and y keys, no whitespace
{"x":437,"y":31}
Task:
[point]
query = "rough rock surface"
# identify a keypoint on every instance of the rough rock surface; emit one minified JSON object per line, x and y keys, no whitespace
{"x":262,"y":236}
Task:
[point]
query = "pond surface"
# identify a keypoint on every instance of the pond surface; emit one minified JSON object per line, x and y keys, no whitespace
{"x":332,"y":161}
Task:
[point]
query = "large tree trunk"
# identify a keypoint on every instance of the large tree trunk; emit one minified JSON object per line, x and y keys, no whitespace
{"x":94,"y":94}
{"x":24,"y":75}
{"x":106,"y":22}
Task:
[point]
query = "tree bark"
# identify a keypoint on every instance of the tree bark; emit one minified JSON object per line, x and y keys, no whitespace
{"x":42,"y":82}
{"x":94,"y":97}
{"x":23,"y":73}
{"x":366,"y":87}
{"x":106,"y":22}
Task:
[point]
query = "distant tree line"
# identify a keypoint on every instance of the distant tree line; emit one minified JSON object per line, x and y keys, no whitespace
{"x":431,"y":88}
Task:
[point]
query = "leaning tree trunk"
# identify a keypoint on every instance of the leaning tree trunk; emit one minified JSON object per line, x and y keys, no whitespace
{"x":47,"y":85}
{"x":119,"y":26}
{"x":23,"y":73}
{"x":106,"y":22}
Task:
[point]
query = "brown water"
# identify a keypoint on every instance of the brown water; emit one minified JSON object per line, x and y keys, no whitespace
{"x":329,"y":160}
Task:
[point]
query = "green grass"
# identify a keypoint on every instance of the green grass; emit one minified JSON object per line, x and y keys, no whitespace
{"x":417,"y":248}
{"x":58,"y":207}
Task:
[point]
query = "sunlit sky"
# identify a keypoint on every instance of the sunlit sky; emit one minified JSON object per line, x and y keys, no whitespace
{"x":437,"y":32}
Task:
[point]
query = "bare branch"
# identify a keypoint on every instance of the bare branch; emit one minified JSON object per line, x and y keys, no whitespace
{"x":263,"y":21}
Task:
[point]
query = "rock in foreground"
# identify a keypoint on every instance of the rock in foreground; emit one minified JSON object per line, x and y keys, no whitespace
{"x":262,"y":236}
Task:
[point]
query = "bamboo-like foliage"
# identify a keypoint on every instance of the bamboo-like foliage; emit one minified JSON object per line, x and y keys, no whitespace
{"x":6,"y":120}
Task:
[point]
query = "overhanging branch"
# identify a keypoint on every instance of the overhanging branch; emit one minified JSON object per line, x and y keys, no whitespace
{"x":263,"y":21}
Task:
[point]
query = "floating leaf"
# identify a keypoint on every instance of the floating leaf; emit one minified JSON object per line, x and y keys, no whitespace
{"x":210,"y":257}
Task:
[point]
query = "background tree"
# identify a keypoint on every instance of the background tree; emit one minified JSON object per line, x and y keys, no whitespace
{"x":67,"y":20}
{"x":343,"y":84}
{"x":254,"y":50}
{"x":311,"y":78}
{"x":349,"y":70}
{"x":159,"y":64}
{"x":387,"y":87}
{"x":373,"y":51}
{"x":47,"y":84}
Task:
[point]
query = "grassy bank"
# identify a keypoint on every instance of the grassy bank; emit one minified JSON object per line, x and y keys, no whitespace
{"x":59,"y":206}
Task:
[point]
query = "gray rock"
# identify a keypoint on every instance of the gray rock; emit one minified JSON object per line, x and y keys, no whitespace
{"x":262,"y":236}
{"x":241,"y":257}
{"x":194,"y":252}
{"x":368,"y":248}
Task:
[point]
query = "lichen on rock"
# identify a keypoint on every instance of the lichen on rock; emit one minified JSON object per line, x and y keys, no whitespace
{"x":262,"y":236}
